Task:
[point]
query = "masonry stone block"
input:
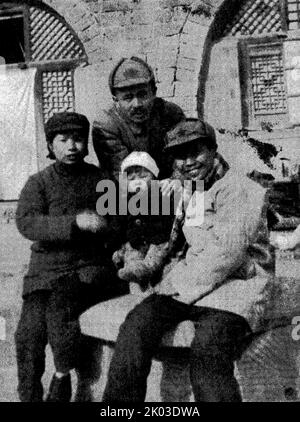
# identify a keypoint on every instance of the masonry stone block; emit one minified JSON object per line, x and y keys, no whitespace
{"x":92,"y":31}
{"x":187,"y":103}
{"x":166,"y":73}
{"x":73,"y":14}
{"x":166,"y":89}
{"x":291,"y":53}
{"x":294,"y":110}
{"x":94,"y":5}
{"x":186,"y":76}
{"x":188,"y":63}
{"x":115,"y":5}
{"x":110,"y":18}
{"x":200,"y":19}
{"x":95,"y":44}
{"x":175,"y":3}
{"x":186,"y":88}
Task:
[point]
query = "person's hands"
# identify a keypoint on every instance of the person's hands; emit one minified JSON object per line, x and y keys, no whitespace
{"x":91,"y":221}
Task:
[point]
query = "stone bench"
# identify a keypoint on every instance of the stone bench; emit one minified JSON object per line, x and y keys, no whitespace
{"x":267,"y":371}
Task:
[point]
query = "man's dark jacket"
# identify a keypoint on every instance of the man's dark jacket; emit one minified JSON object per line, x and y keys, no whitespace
{"x":113,"y":139}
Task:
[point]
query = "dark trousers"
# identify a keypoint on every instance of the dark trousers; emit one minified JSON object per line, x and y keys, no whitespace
{"x":51,"y":316}
{"x":219,"y":340}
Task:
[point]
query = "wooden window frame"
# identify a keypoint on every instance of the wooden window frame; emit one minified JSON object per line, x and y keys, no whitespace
{"x":249,"y":119}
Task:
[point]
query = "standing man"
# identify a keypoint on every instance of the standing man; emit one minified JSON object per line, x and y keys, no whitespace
{"x":220,"y":284}
{"x":137,"y":121}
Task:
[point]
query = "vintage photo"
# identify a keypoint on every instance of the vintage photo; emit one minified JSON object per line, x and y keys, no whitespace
{"x":149,"y":202}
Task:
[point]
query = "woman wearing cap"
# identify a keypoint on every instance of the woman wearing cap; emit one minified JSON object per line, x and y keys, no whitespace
{"x":220,"y":283}
{"x":70,"y":267}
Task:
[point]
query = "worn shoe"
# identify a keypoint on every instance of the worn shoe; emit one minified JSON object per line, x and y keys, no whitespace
{"x":60,"y":389}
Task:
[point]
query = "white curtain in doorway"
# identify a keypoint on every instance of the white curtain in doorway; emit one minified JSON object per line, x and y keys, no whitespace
{"x":18,"y":132}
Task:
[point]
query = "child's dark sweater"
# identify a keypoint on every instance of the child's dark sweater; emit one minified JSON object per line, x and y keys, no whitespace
{"x":46,"y":214}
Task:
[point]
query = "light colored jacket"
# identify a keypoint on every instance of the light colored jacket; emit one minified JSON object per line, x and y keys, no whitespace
{"x":229,"y":264}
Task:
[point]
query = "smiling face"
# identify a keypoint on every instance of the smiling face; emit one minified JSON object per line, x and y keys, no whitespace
{"x":139,"y":178}
{"x":194,"y":160}
{"x":135,"y":102}
{"x":69,"y":147}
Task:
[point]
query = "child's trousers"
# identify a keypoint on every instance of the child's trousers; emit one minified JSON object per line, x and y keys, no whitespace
{"x":51,"y":316}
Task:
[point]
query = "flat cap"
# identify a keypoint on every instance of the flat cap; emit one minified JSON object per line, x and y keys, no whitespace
{"x":62,"y":122}
{"x":130,"y":72}
{"x":191,"y":130}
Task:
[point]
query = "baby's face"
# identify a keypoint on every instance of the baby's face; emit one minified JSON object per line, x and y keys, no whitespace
{"x":139,"y":178}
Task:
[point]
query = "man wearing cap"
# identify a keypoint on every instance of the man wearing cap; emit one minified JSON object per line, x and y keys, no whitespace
{"x":221,"y":284}
{"x":70,"y":266}
{"x":137,"y":121}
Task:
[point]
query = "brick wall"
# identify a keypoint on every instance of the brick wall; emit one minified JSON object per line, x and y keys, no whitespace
{"x":169,"y":34}
{"x":175,"y":37}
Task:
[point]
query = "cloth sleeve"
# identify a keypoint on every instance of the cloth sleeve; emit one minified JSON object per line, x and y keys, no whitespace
{"x":237,"y":221}
{"x":33,"y":220}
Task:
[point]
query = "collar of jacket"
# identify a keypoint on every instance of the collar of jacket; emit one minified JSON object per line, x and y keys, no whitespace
{"x":220,"y":168}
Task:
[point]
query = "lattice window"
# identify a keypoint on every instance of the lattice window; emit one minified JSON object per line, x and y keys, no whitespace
{"x":256,"y":17}
{"x":58,"y":92}
{"x":267,"y":80}
{"x":51,"y":39}
{"x":293,"y":14}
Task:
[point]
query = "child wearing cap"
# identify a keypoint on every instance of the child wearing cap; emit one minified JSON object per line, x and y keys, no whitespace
{"x":70,"y":267}
{"x":145,"y":250}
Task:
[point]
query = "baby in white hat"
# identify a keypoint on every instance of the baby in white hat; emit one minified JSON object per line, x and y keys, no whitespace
{"x":142,"y":256}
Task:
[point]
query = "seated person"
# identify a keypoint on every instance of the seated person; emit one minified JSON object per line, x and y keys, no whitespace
{"x":219,"y":285}
{"x":70,"y":267}
{"x":143,"y":255}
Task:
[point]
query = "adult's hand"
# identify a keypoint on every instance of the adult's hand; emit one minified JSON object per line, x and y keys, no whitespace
{"x":91,"y":222}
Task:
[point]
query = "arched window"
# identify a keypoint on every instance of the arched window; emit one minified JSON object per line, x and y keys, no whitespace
{"x":35,"y":35}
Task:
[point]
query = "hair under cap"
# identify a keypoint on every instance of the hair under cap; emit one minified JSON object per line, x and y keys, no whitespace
{"x":63,"y":122}
{"x":191,"y":130}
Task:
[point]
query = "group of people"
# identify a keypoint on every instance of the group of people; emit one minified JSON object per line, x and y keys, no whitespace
{"x":213,"y":272}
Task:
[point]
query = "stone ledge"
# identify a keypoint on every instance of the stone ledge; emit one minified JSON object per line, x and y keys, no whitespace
{"x":103,"y":322}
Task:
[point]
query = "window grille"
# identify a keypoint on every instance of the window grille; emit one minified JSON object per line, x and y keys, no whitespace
{"x":58,"y":92}
{"x":50,"y":38}
{"x":49,"y":43}
{"x":267,"y":80}
{"x":293,"y":14}
{"x":256,"y":17}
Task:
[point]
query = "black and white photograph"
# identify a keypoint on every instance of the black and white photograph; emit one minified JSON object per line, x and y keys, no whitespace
{"x":149,"y":203}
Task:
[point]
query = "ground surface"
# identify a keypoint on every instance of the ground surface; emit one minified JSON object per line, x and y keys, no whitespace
{"x":14,"y":255}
